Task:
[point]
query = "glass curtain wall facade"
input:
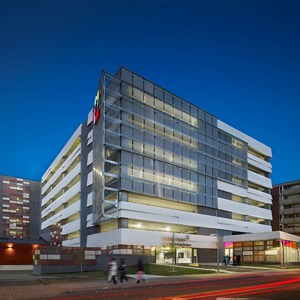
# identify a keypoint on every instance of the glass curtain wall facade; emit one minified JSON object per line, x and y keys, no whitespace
{"x":151,"y":142}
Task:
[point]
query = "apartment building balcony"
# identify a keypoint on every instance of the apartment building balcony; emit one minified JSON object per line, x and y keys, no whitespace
{"x":291,"y":191}
{"x":293,"y":210}
{"x":291,"y":220}
{"x":293,"y":230}
{"x":293,"y":200}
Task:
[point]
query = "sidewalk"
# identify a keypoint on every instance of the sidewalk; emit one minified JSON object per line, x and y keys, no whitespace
{"x":39,"y":289}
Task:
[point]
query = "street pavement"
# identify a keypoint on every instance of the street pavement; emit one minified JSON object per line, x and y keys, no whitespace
{"x":17,"y":285}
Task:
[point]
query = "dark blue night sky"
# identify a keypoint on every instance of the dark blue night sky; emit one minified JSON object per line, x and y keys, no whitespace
{"x":238,"y":60}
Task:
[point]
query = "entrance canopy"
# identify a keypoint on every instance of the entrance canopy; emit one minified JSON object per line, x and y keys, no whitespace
{"x":274,"y":235}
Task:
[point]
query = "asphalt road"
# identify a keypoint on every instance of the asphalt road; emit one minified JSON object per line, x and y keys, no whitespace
{"x":272,"y":286}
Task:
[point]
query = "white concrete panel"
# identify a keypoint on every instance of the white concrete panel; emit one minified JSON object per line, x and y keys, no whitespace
{"x":71,"y":243}
{"x":251,"y":141}
{"x":258,"y":198}
{"x":64,"y":198}
{"x":231,"y":188}
{"x":65,"y":149}
{"x":89,"y":220}
{"x":71,"y":210}
{"x":89,"y":201}
{"x":259,"y":163}
{"x":128,"y":236}
{"x":261,"y":236}
{"x":259,"y":194}
{"x":259,"y":179}
{"x":62,"y":168}
{"x":64,"y":182}
{"x":164,"y":215}
{"x":90,"y":158}
{"x":90,"y":117}
{"x":90,"y":178}
{"x":250,"y":193}
{"x":90,"y":140}
{"x":65,"y":213}
{"x":71,"y":227}
{"x":90,"y":134}
{"x":244,"y":209}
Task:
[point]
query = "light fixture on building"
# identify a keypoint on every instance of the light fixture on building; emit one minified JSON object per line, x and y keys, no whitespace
{"x":168,"y":228}
{"x":139,"y":225}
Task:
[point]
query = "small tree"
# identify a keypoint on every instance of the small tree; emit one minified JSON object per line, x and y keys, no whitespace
{"x":172,"y":252}
{"x":80,"y":258}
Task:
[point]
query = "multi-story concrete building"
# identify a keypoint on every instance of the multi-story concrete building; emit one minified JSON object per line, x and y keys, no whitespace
{"x":20,"y":215}
{"x":147,"y":163}
{"x":286,"y":209}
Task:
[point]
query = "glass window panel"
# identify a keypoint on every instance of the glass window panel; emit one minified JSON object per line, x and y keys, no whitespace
{"x":177,"y":159}
{"x":194,"y":144}
{"x":177,"y":113}
{"x":138,"y":121}
{"x":149,"y":125}
{"x":247,"y":244}
{"x":185,"y":117}
{"x":168,"y":133}
{"x":159,"y":92}
{"x":168,"y":179}
{"x":149,"y":150}
{"x":194,"y":165}
{"x":149,"y":100}
{"x":159,"y":153}
{"x":126,"y":143}
{"x":169,"y":109}
{"x":148,"y":86}
{"x":186,"y":162}
{"x":159,"y":177}
{"x":138,"y":147}
{"x":137,"y":172}
{"x":259,"y":247}
{"x":247,"y":248}
{"x":177,"y":101}
{"x":159,"y":130}
{"x":138,"y":94}
{"x":259,"y":258}
{"x":169,"y":156}
{"x":138,"y":81}
{"x":194,"y":186}
{"x":237,"y":244}
{"x":159,"y":104}
{"x":126,"y":89}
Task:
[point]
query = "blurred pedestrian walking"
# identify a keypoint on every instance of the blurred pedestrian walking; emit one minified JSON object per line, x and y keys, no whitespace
{"x":109,"y":270}
{"x":114,"y":270}
{"x":123,"y":269}
{"x":234,"y":260}
{"x":140,"y":270}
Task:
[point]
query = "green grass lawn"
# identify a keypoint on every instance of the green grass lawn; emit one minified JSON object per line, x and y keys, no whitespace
{"x":152,"y":269}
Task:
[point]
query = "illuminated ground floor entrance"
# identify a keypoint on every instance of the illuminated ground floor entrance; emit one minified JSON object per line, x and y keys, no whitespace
{"x":164,"y":256}
{"x":275,"y":247}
